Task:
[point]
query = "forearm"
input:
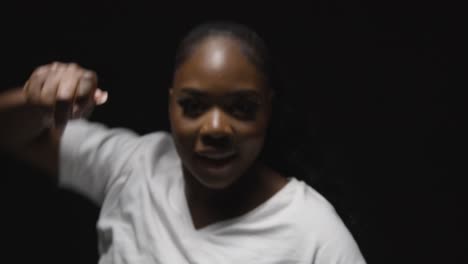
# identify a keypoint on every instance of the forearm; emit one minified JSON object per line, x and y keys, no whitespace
{"x":11,"y":98}
{"x":20,"y":121}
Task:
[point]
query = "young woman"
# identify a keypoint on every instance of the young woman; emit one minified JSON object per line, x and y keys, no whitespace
{"x":203,"y":193}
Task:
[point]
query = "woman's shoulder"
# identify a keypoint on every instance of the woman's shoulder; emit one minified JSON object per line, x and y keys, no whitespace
{"x":309,"y":197}
{"x":313,"y":208}
{"x":319,"y":223}
{"x":91,"y":128}
{"x":120,"y":140}
{"x":158,"y":142}
{"x":318,"y":226}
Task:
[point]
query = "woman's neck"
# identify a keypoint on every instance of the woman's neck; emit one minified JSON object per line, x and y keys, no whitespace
{"x":253,"y":188}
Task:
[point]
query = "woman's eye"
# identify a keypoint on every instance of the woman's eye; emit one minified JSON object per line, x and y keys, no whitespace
{"x":244,"y":109}
{"x":191,"y":107}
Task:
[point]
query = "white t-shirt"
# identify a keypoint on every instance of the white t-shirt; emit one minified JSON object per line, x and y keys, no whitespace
{"x":144,"y":218}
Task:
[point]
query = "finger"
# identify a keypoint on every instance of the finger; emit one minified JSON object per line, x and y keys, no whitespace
{"x":34,"y":85}
{"x":49,"y":89}
{"x":56,"y":65}
{"x":26,"y":85}
{"x":87,"y":84}
{"x":25,"y":89}
{"x":66,"y":94}
{"x":69,"y":83}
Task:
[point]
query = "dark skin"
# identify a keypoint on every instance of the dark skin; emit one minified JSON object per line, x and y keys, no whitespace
{"x":219,"y":104}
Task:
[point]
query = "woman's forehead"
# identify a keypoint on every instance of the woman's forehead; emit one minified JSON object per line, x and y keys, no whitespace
{"x":218,"y":62}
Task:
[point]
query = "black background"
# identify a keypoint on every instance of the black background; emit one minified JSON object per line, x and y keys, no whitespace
{"x":372,"y":79}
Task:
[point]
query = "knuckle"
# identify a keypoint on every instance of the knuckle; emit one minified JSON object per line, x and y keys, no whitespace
{"x":76,"y":72}
{"x":55,"y":66}
{"x":89,"y":74}
{"x":66,"y":92}
{"x":73,"y":65}
{"x":40,"y":71}
{"x":52,"y":79}
{"x":67,"y":87}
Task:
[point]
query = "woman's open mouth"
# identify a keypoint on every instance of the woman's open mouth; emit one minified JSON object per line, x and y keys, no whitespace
{"x":217,"y":161}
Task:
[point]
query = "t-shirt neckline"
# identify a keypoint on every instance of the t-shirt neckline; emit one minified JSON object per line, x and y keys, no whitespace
{"x":223,"y":223}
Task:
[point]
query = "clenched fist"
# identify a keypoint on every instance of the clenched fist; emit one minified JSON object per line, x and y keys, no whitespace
{"x":64,"y":91}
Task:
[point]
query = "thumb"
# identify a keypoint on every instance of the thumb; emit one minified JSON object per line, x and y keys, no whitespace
{"x":100,"y":96}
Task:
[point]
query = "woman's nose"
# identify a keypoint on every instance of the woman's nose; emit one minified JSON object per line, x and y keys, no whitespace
{"x":216,"y":129}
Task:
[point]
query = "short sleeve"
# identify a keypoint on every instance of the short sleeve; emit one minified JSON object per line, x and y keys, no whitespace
{"x":93,"y":156}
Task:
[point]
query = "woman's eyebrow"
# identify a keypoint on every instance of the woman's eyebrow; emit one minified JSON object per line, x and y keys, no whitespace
{"x":192,"y":91}
{"x":245,"y":93}
{"x":236,"y":93}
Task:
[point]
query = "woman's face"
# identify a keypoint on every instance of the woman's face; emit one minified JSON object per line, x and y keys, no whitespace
{"x":219,"y":109}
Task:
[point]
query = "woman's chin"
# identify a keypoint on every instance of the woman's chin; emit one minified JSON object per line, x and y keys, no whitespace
{"x":216,"y":174}
{"x":216,"y":180}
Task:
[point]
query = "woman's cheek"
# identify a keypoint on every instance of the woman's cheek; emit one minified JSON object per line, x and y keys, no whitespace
{"x":186,"y":133}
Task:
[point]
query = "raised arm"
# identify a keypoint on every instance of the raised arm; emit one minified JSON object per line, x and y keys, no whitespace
{"x":32,"y":118}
